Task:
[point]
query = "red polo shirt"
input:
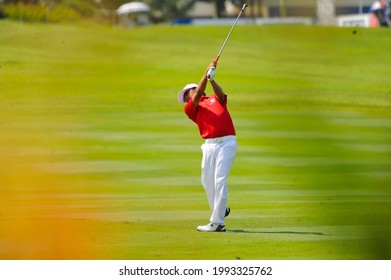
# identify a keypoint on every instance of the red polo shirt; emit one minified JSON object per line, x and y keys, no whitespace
{"x":211,"y":116}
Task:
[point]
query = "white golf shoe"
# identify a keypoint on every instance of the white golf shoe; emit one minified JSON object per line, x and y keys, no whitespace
{"x":212,"y":227}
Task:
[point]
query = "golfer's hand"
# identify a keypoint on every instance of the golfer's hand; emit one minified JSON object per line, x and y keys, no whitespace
{"x":211,"y":71}
{"x":213,"y":64}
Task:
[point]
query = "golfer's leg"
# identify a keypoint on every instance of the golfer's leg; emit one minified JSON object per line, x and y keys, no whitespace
{"x":208,"y":173}
{"x":224,"y":162}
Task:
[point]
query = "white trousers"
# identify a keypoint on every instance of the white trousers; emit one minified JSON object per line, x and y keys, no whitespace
{"x":218,"y":155}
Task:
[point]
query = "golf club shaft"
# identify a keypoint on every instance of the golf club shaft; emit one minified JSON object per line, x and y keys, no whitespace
{"x":229,"y":34}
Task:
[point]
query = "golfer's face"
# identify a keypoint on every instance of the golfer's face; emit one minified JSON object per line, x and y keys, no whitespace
{"x":188,"y":94}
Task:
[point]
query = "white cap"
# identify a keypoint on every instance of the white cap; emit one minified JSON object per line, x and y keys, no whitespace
{"x":182,"y":92}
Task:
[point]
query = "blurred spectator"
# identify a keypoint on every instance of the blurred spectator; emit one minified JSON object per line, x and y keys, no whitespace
{"x":380,"y":11}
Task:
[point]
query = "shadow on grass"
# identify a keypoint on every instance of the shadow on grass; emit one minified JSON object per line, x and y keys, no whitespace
{"x":277,"y":232}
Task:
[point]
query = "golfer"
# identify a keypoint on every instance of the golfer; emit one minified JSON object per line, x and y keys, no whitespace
{"x":219,"y":150}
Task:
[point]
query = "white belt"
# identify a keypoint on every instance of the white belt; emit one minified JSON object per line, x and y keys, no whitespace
{"x":220,"y":139}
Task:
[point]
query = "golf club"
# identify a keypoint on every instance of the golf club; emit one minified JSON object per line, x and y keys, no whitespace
{"x":229,"y":34}
{"x":212,"y":69}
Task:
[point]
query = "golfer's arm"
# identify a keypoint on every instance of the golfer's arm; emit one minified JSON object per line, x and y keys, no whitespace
{"x":218,"y":91}
{"x":200,"y":90}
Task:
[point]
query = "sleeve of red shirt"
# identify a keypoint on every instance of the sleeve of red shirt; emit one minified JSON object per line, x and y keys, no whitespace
{"x":191,"y":110}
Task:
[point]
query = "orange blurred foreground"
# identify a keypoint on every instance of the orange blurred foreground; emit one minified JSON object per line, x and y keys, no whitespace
{"x":36,"y":220}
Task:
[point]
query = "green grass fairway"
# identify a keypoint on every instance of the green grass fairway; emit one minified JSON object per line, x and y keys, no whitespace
{"x":98,"y":160}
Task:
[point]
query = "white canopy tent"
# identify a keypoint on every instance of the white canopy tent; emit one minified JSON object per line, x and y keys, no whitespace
{"x":133,"y":13}
{"x":133,"y":8}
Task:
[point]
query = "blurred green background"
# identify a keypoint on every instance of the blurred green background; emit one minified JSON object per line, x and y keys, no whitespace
{"x":98,"y":160}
